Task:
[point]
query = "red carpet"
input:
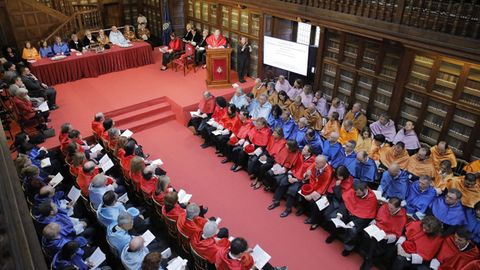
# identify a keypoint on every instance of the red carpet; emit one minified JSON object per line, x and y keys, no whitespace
{"x":146,"y":100}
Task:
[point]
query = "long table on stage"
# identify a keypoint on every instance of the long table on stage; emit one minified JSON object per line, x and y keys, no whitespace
{"x":91,"y":64}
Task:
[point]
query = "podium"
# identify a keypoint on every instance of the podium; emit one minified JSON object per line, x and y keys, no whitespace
{"x":218,"y":67}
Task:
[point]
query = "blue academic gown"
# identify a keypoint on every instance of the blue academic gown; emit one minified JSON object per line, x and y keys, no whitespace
{"x":473,"y":225}
{"x":316,"y":143}
{"x":363,"y":171}
{"x":63,"y":48}
{"x":299,"y":135}
{"x":37,"y":200}
{"x":36,"y":156}
{"x":46,"y":52}
{"x":61,"y":218}
{"x":418,"y":201}
{"x":450,"y":215}
{"x":334,"y":153}
{"x":109,"y":215}
{"x":118,"y":239}
{"x":52,"y":246}
{"x":394,"y":187}
{"x":76,"y":261}
{"x":273,"y":122}
{"x":288,"y":128}
{"x":253,"y":104}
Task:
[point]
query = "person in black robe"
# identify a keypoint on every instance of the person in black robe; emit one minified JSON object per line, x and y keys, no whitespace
{"x":243,"y":58}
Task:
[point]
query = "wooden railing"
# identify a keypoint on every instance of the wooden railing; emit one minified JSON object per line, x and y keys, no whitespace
{"x":454,"y":17}
{"x":79,"y":21}
{"x":63,"y":6}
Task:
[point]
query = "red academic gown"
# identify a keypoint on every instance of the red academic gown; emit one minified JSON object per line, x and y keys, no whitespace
{"x":218,"y":113}
{"x":125,"y":163}
{"x":136,"y":179}
{"x":149,"y":186}
{"x":473,"y":265}
{"x":450,"y":257}
{"x":175,"y":44}
{"x":160,"y":198}
{"x":299,"y":171}
{"x":223,"y":262}
{"x":420,"y":243}
{"x":361,"y":208}
{"x":190,"y":227}
{"x":275,"y":145}
{"x":175,"y":213}
{"x":259,"y":137}
{"x":97,"y":127}
{"x":84,"y":180}
{"x":25,"y":108}
{"x":289,"y":160}
{"x":244,"y":129}
{"x":208,"y":248}
{"x":221,"y":41}
{"x":207,"y":106}
{"x":345,"y":185}
{"x":231,"y":124}
{"x":62,"y":137}
{"x":320,"y":183}
{"x":391,"y":224}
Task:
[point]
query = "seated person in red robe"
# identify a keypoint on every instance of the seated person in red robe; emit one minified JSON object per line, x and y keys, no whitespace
{"x":358,"y":209}
{"x":174,"y":48}
{"x":217,"y":40}
{"x":456,"y":251}
{"x":418,"y":246}
{"x":229,"y":124}
{"x":257,"y":137}
{"x":25,"y":108}
{"x":191,"y":223}
{"x":172,"y":209}
{"x":210,"y":124}
{"x":226,"y":148}
{"x":391,"y":218}
{"x":162,"y":189}
{"x":148,"y":184}
{"x":97,"y":124}
{"x":108,"y":123}
{"x":276,"y":143}
{"x":63,"y":136}
{"x":205,"y":111}
{"x":206,"y":244}
{"x":85,"y":176}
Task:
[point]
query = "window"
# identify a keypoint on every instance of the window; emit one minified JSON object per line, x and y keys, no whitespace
{"x":303,"y":33}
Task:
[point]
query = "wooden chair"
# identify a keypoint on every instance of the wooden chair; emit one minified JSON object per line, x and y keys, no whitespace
{"x":460,"y":165}
{"x":184,"y":243}
{"x":158,"y":208}
{"x":171,"y":227}
{"x":199,"y":262}
{"x":185,"y":59}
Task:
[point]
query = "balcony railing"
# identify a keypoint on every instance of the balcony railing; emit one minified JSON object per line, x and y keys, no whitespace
{"x":459,"y":18}
{"x":79,"y":21}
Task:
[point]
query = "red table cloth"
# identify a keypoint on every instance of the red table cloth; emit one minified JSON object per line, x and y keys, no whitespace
{"x":91,"y":64}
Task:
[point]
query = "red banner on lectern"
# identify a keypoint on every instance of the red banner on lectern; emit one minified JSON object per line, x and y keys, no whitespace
{"x":219,"y":69}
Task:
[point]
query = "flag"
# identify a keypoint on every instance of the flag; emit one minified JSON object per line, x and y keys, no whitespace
{"x":167,"y":23}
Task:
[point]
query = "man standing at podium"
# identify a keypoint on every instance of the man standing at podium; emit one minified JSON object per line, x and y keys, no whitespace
{"x":217,"y":40}
{"x":243,"y":58}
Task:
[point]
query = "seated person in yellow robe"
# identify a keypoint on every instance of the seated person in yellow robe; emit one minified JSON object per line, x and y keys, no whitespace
{"x":421,"y":164}
{"x":281,"y":99}
{"x":296,"y":109}
{"x":394,"y":154}
{"x":348,"y":132}
{"x":260,"y":88}
{"x":469,"y":187}
{"x":103,"y":39}
{"x":314,"y":119}
{"x":129,"y":34}
{"x":444,"y":176}
{"x":441,"y":152}
{"x":364,"y":141}
{"x":473,"y":167}
{"x":378,"y":143}
{"x":333,"y":125}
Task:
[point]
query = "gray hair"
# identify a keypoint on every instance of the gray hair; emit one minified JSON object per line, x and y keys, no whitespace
{"x":99,"y":116}
{"x":271,"y":85}
{"x":207,"y":94}
{"x":99,"y":180}
{"x":89,"y":166}
{"x":210,"y":229}
{"x":124,"y":218}
{"x":192,"y":210}
{"x":113,"y":132}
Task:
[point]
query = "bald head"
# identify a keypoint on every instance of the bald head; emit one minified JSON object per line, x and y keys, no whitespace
{"x":302,"y":122}
{"x":362,"y":156}
{"x":320,"y":161}
{"x":99,"y":180}
{"x":52,"y":230}
{"x":356,"y":107}
{"x":46,"y":191}
{"x":394,"y":169}
{"x":333,"y":137}
{"x":136,"y":243}
{"x":442,"y":147}
{"x":88,"y":167}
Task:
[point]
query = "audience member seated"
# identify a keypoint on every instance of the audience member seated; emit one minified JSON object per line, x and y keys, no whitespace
{"x":133,"y":254}
{"x":262,"y":87}
{"x":191,"y":223}
{"x":206,"y":107}
{"x":48,"y":213}
{"x":299,"y":131}
{"x":385,"y":126}
{"x":26,"y":110}
{"x":296,"y":109}
{"x":163,"y":188}
{"x":200,"y":48}
{"x":129,"y":34}
{"x":418,"y":246}
{"x":295,"y":91}
{"x":339,"y":107}
{"x":358,"y":208}
{"x":444,"y":177}
{"x":468,"y":186}
{"x":456,"y":251}
{"x":282,"y":84}
{"x":99,"y":185}
{"x":85,"y":176}
{"x":473,"y":222}
{"x":60,"y":47}
{"x":103,"y":40}
{"x":53,"y":239}
{"x":357,"y":117}
{"x":348,"y":132}
{"x":473,"y":167}
{"x":333,"y":125}
{"x":144,"y":34}
{"x":70,"y":257}
{"x":421,"y":164}
{"x":261,"y":109}
{"x":116,"y":37}
{"x":29,"y":53}
{"x":74,"y":44}
{"x":11,"y":55}
{"x":321,"y":104}
{"x":314,"y":119}
{"x":173,"y":49}
{"x":45,"y":49}
{"x":149,"y":180}
{"x":391,"y":218}
{"x":364,"y":168}
{"x":118,"y":235}
{"x":333,"y":150}
{"x":349,"y":154}
{"x":307,"y":97}
{"x":394,"y":154}
{"x":408,"y":136}
{"x":32,"y":183}
{"x":364,"y":141}
{"x":172,"y":209}
{"x":46,"y":193}
{"x":10,"y":72}
{"x":97,"y":124}
{"x":448,"y":209}
{"x":377,"y":145}
{"x":441,"y":152}
{"x":38,"y":89}
{"x":206,"y":244}
{"x":88,"y":40}
{"x":419,"y":196}
{"x":313,"y":139}
{"x":239,"y":99}
{"x":17,"y":84}
{"x":394,"y":182}
{"x":153,"y":261}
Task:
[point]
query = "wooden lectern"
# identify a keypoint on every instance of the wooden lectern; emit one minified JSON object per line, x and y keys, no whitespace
{"x":218,"y":67}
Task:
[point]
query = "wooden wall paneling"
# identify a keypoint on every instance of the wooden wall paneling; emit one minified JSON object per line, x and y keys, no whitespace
{"x":260,"y":70}
{"x":177,"y":15}
{"x":6,"y":33}
{"x":318,"y":61}
{"x":402,"y":78}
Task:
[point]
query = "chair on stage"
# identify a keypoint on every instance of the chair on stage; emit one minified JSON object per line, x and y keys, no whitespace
{"x":186,"y":59}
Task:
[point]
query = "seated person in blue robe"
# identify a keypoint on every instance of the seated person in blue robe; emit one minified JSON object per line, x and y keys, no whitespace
{"x":275,"y":118}
{"x":60,"y":47}
{"x":394,"y":182}
{"x":53,"y":240}
{"x":288,"y":125}
{"x":109,"y":209}
{"x":349,"y":155}
{"x":118,"y":235}
{"x":252,"y":103}
{"x":448,"y":208}
{"x":473,"y":222}
{"x":300,"y":129}
{"x":364,"y":168}
{"x":333,"y":150}
{"x":48,"y":213}
{"x":133,"y":253}
{"x":46,"y":193}
{"x":419,"y":196}
{"x":313,"y":139}
{"x":68,"y":258}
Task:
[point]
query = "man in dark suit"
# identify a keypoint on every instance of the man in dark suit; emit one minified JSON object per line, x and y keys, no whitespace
{"x":200,"y":48}
{"x":38,"y":89}
{"x":75,"y":44}
{"x":243,"y":58}
{"x":89,"y":39}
